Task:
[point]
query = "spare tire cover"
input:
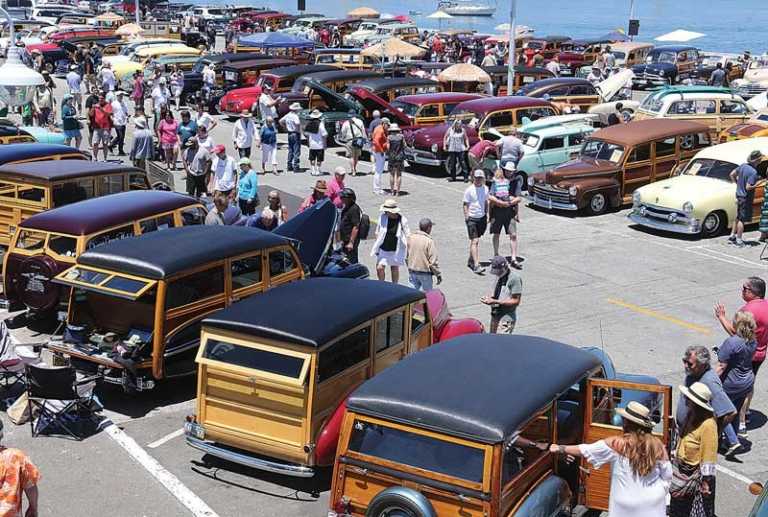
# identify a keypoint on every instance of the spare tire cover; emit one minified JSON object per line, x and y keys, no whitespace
{"x":35,"y":288}
{"x":401,"y":502}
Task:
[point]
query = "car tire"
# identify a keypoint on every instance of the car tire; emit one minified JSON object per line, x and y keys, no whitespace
{"x":401,"y":502}
{"x":597,"y":204}
{"x":714,"y":224}
{"x":524,"y":175}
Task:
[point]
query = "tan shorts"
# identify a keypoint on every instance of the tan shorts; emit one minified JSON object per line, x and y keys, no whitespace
{"x":353,"y":152}
{"x":101,"y":136}
{"x":504,"y":324}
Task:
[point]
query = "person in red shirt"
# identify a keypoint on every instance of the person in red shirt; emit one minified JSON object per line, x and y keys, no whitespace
{"x":437,"y":48}
{"x":380,"y":144}
{"x":101,"y":115}
{"x":317,"y":195}
{"x":752,"y":292}
{"x":335,"y":187}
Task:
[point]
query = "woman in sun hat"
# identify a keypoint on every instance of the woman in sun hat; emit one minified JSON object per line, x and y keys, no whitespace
{"x":640,"y":468}
{"x":693,"y":484}
{"x":391,"y":245}
{"x":316,"y":140}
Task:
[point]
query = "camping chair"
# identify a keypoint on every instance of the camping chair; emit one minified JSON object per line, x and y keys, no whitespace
{"x":11,"y":366}
{"x":54,"y":393}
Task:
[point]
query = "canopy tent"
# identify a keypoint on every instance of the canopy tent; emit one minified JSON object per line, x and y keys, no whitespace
{"x":464,"y":72}
{"x":109,"y":20}
{"x":615,"y":36}
{"x":680,"y":36}
{"x":363,"y":12}
{"x":440,"y":16}
{"x":129,"y":29}
{"x":274,"y":40}
{"x":393,"y":48}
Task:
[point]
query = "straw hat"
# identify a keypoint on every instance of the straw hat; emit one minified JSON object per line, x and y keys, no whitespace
{"x":321,"y":186}
{"x":699,"y":394}
{"x":390,"y":205}
{"x":315,"y":114}
{"x":295,"y":106}
{"x":637,"y":413}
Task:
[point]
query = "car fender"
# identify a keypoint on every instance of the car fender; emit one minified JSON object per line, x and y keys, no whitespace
{"x":551,"y":496}
{"x":459,"y":327}
{"x":587,"y":186}
{"x":328,"y":438}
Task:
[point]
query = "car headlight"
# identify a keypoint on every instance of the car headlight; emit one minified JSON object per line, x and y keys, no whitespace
{"x":688,"y":207}
{"x":572,"y":190}
{"x":433,"y":148}
{"x":531,"y":181}
{"x":661,"y":73}
{"x":635,"y":198}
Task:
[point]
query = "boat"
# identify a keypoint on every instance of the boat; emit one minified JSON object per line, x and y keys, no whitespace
{"x":465,"y":8}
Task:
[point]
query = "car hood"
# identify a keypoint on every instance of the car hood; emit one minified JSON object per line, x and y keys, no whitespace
{"x":333,"y":100}
{"x":609,"y":87}
{"x":568,"y":57}
{"x":580,"y":168}
{"x":248,"y":91}
{"x":312,"y":230}
{"x":653,"y":68}
{"x":673,"y":192}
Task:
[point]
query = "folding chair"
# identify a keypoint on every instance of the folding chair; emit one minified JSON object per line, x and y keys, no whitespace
{"x":53,"y":392}
{"x":11,"y":367}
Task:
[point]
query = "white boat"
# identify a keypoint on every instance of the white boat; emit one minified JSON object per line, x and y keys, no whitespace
{"x":462,"y":8}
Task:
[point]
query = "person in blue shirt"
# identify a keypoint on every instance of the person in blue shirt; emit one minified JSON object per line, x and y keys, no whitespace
{"x":745,"y":176}
{"x":187,"y":128}
{"x":268,"y":139}
{"x":247,"y":187}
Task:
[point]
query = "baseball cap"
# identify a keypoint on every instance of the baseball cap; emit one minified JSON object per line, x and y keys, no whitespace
{"x":498,"y":262}
{"x":479,"y":173}
{"x":219,"y":149}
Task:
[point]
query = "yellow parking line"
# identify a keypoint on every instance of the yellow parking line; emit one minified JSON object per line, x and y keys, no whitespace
{"x":660,"y":316}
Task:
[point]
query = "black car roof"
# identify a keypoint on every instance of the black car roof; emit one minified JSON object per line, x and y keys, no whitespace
{"x":322,"y":77}
{"x":307,"y":322}
{"x":482,"y":387}
{"x":59,"y":170}
{"x":297,"y":70}
{"x":672,"y":48}
{"x":385,"y":83}
{"x":543,"y":84}
{"x":257,"y":63}
{"x":158,"y":255}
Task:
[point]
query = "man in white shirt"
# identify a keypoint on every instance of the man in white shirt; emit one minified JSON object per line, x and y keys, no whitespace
{"x":554,"y":66}
{"x":120,"y":120}
{"x":204,"y":140}
{"x":209,"y":80}
{"x":353,"y":137}
{"x":160,"y":98}
{"x":267,"y":105}
{"x":476,"y":217}
{"x":292,"y":124}
{"x":243,"y":134}
{"x":224,"y":172}
{"x":108,"y":80}
{"x":204,"y":119}
{"x":74,"y":82}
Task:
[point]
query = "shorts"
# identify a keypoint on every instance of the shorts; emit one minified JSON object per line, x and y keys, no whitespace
{"x":168,"y":146}
{"x":503,"y":323}
{"x":353,"y":152}
{"x":476,"y":227}
{"x":316,"y":155}
{"x":389,"y":258}
{"x":505,"y":219}
{"x":72,"y":133}
{"x":744,"y":209}
{"x":101,"y":136}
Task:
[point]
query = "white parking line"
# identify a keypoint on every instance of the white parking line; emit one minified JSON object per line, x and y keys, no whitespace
{"x":167,"y":438}
{"x":194,"y":504}
{"x":735,"y":475}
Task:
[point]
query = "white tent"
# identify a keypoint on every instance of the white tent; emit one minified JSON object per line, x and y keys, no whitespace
{"x":680,"y":36}
{"x":440,"y":16}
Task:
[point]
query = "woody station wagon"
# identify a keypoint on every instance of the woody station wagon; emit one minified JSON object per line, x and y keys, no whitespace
{"x":463,"y":429}
{"x":272,"y":382}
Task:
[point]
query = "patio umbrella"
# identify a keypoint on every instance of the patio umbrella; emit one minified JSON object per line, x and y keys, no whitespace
{"x":393,"y":48}
{"x":680,"y":36}
{"x":440,"y":16}
{"x":129,"y":29}
{"x":615,"y":36}
{"x":363,"y":12}
{"x":109,"y":17}
{"x":464,"y":72}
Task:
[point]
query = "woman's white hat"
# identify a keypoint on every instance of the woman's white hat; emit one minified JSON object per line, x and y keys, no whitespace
{"x":637,"y":413}
{"x":394,"y":127}
{"x":699,"y":394}
{"x":315,"y":114}
{"x":295,"y":106}
{"x":390,"y":205}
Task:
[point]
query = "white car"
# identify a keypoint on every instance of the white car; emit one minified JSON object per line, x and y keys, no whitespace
{"x":755,"y":80}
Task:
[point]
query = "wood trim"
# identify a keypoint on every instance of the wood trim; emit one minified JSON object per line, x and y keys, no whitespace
{"x":158,"y":342}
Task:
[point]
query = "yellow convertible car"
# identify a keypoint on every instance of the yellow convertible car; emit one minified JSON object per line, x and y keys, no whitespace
{"x":142,"y":57}
{"x":701,"y":198}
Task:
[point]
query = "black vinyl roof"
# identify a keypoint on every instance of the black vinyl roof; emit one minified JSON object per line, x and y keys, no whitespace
{"x":384,"y":83}
{"x":312,"y":312}
{"x":482,"y":387}
{"x":161,"y":254}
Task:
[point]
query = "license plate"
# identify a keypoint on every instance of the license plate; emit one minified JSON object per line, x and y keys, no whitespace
{"x":195,"y":430}
{"x":230,"y":76}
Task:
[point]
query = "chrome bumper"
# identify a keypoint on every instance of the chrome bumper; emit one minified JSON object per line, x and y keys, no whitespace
{"x":683,"y":226}
{"x":650,"y":80}
{"x":413,"y":157}
{"x":285,"y":469}
{"x":544,"y":202}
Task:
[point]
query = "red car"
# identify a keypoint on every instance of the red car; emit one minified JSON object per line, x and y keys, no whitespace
{"x":239,"y":99}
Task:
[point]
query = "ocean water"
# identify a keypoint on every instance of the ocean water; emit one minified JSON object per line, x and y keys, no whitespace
{"x":728,"y":25}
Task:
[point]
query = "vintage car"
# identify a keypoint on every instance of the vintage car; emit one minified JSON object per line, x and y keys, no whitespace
{"x":755,"y":79}
{"x":416,"y":443}
{"x":334,"y":80}
{"x":718,"y":108}
{"x":566,"y":90}
{"x":389,"y":88}
{"x":121,"y":52}
{"x":405,"y":31}
{"x":193,"y":80}
{"x":523,"y":75}
{"x":427,"y":109}
{"x":365,"y":30}
{"x":11,"y":134}
{"x":756,"y":125}
{"x":77,"y":32}
{"x":49,"y":242}
{"x":494,"y":116}
{"x":548,"y":46}
{"x":576,"y":53}
{"x":666,"y":65}
{"x":346,"y":58}
{"x":239,"y":74}
{"x":272,"y":383}
{"x":125,"y":69}
{"x":161,"y":29}
{"x":616,"y":161}
{"x":301,"y":26}
{"x":701,"y":199}
{"x":630,"y":53}
{"x":730,"y":62}
{"x":163,"y":63}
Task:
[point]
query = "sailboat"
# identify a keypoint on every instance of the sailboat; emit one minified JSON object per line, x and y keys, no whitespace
{"x":465,"y":8}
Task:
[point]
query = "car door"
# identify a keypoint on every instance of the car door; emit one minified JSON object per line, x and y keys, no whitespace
{"x":665,"y":157}
{"x":552,"y":151}
{"x":584,"y":96}
{"x":757,"y":204}
{"x":601,"y":421}
{"x":638,"y":169}
{"x":730,"y":112}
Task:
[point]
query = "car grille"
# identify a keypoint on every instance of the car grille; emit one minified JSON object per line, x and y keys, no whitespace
{"x":751,"y":89}
{"x":658,"y":212}
{"x":545,"y":191}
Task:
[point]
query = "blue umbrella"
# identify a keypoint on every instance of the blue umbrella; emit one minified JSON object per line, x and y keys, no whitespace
{"x":614,"y":36}
{"x":274,"y":40}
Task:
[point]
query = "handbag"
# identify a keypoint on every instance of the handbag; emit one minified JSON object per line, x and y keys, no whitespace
{"x":686,"y":481}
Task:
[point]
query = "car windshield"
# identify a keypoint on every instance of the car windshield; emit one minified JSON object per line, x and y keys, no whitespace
{"x":619,"y":55}
{"x":652,"y":103}
{"x":662,"y":57}
{"x":417,"y":450}
{"x":216,"y":12}
{"x":528,"y":139}
{"x":463,"y":115}
{"x":600,"y":150}
{"x":710,"y":168}
{"x":407,"y":108}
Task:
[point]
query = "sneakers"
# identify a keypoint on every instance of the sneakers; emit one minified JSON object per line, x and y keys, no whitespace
{"x":478,"y":270}
{"x":731,"y":450}
{"x":739,"y":243}
{"x":743,"y":431}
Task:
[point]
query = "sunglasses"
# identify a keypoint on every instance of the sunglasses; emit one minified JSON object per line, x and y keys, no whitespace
{"x":688,"y":363}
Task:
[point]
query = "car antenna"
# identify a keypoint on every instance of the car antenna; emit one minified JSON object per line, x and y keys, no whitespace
{"x":602,"y":343}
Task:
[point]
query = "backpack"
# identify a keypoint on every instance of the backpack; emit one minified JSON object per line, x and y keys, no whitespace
{"x":365,"y":227}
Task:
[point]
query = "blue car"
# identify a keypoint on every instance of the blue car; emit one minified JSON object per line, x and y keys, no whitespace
{"x":666,"y":65}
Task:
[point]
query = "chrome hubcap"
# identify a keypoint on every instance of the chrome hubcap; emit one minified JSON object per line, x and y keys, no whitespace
{"x":711,"y":222}
{"x":597,"y":203}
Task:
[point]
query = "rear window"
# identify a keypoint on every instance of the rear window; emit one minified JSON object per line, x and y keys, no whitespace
{"x":254,"y":358}
{"x":416,"y":450}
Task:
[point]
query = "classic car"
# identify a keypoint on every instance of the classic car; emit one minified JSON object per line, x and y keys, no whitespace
{"x":756,"y":125}
{"x":302,"y":364}
{"x":27,"y":30}
{"x":614,"y":162}
{"x":52,"y":54}
{"x":303,"y":25}
{"x":701,"y":199}
{"x":755,"y":79}
{"x":730,"y":62}
{"x":41,"y":135}
{"x":245,"y":73}
{"x":666,"y":65}
{"x":548,"y":46}
{"x":193,"y":80}
{"x":76,"y":32}
{"x":405,"y":31}
{"x":334,"y":80}
{"x":125,"y":69}
{"x":346,"y":58}
{"x":427,"y":109}
{"x":415,"y":443}
{"x":576,"y":53}
{"x":493,"y":116}
{"x":630,"y":53}
{"x":49,"y":242}
{"x":11,"y":134}
{"x":524,"y":75}
{"x":365,"y":30}
{"x":566,"y":90}
{"x":718,"y":108}
{"x":162,"y":63}
{"x":121,"y":52}
{"x":389,"y":88}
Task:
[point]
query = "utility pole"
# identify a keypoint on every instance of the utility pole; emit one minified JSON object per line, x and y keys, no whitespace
{"x":512,"y":47}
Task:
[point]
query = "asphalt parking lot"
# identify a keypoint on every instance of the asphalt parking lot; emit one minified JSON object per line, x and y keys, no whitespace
{"x":642,"y":296}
